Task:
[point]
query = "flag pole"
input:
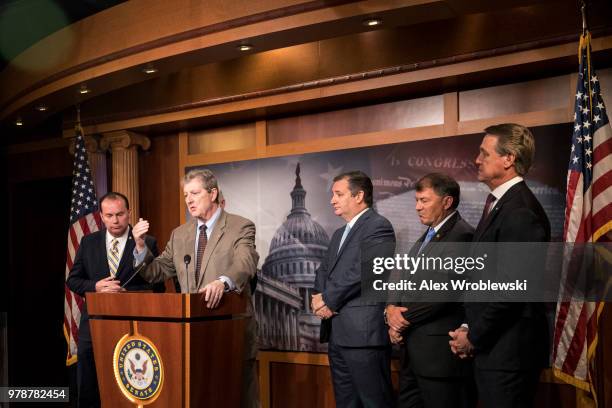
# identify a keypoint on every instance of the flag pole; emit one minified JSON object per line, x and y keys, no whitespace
{"x":77,"y":125}
{"x":584,"y":18}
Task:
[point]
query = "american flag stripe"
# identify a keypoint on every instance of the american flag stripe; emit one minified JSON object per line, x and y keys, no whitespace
{"x":603,"y":145}
{"x":588,"y":218}
{"x":73,"y":319}
{"x":84,"y":219}
{"x":578,"y":337}
{"x":562,"y":319}
{"x":73,"y":243}
{"x":600,"y":203}
{"x":600,"y":184}
{"x":574,"y":218}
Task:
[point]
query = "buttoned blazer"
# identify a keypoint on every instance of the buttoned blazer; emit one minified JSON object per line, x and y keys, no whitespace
{"x":91,"y":265}
{"x":426,"y":339}
{"x":511,"y":335}
{"x":358,"y":323}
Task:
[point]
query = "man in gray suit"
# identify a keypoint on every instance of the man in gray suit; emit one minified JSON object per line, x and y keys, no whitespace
{"x":359,"y":348}
{"x":221,"y":247}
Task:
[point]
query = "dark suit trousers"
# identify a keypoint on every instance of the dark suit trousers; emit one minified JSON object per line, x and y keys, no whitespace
{"x":87,"y":380}
{"x":433,"y":392}
{"x":506,"y":389}
{"x":361,"y":376}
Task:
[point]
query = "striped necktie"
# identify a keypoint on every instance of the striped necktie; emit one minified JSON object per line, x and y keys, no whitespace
{"x":202,"y":241}
{"x":113,"y":257}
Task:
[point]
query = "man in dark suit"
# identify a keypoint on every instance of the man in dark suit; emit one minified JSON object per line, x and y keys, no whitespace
{"x":509,"y":341}
{"x":103,"y":263}
{"x":359,"y":348}
{"x":430,"y":375}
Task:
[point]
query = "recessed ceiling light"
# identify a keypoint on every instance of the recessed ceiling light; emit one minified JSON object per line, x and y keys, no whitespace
{"x":41,"y":108}
{"x":18,"y":122}
{"x":149,"y":69}
{"x":372,"y":22}
{"x":84,"y":89}
{"x":245,"y":47}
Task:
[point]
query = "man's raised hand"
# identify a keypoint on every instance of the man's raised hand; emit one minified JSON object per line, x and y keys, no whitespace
{"x":138,"y":231}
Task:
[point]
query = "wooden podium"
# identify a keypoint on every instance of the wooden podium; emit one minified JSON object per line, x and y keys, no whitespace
{"x":167,"y":349}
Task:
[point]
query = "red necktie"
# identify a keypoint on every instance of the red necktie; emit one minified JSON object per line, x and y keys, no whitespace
{"x":490,"y":199}
{"x":485,"y":212}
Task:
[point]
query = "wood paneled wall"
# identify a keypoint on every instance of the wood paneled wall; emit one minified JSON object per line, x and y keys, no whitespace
{"x":303,"y":379}
{"x":159,"y":187}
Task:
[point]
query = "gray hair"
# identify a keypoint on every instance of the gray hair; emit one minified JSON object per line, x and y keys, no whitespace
{"x":516,"y":140}
{"x":206,"y":177}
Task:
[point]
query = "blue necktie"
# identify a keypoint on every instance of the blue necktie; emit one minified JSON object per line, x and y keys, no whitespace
{"x":344,"y":235}
{"x":430,"y":234}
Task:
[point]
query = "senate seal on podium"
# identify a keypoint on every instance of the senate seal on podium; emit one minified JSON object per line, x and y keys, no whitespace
{"x":138,"y":369}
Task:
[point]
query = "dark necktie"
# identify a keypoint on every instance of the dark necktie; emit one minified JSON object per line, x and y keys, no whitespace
{"x":202,"y":241}
{"x":487,"y":209}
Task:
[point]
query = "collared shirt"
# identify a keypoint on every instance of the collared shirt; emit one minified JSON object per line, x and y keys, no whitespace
{"x":502,"y":189}
{"x":122,"y":241}
{"x":353,"y":220}
{"x":427,"y":239}
{"x":499,"y":192}
{"x":437,"y":227}
{"x":349,"y":225}
{"x":210,"y":225}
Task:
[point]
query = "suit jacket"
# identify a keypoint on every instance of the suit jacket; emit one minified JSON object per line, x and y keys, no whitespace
{"x":91,"y":265}
{"x":358,"y":323}
{"x":230,"y":251}
{"x":426,"y":339}
{"x":511,"y":336}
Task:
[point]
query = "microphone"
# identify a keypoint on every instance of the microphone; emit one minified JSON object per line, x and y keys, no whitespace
{"x":187,"y":260}
{"x":142,"y":265}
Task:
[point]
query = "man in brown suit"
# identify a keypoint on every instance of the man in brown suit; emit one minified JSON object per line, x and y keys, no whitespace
{"x":221,"y":250}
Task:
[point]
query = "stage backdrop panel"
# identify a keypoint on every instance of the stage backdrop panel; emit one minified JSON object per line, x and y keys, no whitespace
{"x":288,"y":199}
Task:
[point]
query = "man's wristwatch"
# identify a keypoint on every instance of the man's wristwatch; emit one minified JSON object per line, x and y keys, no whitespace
{"x":226,"y":286}
{"x":385,"y":316}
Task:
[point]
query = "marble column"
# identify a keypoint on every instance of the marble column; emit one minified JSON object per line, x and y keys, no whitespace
{"x":124,"y":145}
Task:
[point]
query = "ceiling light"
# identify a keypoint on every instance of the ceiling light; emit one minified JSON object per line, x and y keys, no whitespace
{"x":41,"y":108}
{"x":245,"y":47}
{"x":149,"y":69}
{"x":84,"y":90}
{"x":18,"y":122}
{"x":372,"y":22}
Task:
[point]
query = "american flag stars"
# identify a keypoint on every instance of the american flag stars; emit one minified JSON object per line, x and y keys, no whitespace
{"x":82,"y":184}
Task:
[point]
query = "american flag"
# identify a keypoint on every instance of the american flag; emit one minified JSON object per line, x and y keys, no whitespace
{"x":84,"y":219}
{"x":588,"y":218}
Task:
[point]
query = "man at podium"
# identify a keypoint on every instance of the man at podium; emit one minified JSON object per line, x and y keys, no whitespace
{"x":103,"y":263}
{"x":213,"y":253}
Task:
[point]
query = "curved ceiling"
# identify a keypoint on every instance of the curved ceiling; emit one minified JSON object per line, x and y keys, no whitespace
{"x":194,"y":49}
{"x":25,"y":22}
